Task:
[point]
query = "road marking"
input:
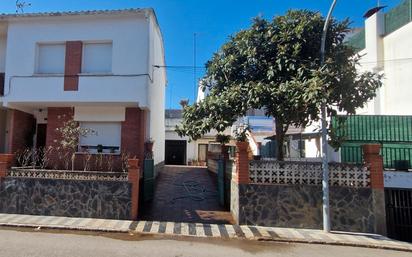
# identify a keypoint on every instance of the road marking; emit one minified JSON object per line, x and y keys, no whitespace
{"x":155,"y":227}
{"x":140,"y":226}
{"x":247,"y":232}
{"x":169,"y":228}
{"x":215,"y":230}
{"x":263,"y":232}
{"x":230,"y":231}
{"x":200,"y":231}
{"x":184,"y":229}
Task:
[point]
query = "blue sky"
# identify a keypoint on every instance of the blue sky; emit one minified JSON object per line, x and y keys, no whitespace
{"x":212,"y":20}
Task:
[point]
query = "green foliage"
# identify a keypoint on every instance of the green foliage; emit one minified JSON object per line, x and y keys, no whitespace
{"x":275,"y":66}
{"x":240,"y":133}
{"x":222,"y":139}
{"x":70,"y":133}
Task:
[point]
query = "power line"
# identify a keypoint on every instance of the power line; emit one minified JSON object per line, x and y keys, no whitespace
{"x":179,"y":66}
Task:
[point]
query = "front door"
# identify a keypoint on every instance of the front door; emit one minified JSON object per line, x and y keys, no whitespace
{"x":41,"y":135}
{"x":175,"y":152}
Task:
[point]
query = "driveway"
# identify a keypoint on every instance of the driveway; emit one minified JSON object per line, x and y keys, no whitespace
{"x":186,"y":194}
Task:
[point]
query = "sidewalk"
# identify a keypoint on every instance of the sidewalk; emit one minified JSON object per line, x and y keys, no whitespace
{"x":205,"y":230}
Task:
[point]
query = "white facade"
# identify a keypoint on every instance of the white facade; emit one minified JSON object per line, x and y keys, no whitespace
{"x":389,"y":54}
{"x":120,"y":50}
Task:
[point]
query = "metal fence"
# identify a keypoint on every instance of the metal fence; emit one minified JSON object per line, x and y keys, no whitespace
{"x":377,"y":128}
{"x":398,"y":16}
{"x":396,"y":157}
{"x":394,"y":19}
{"x":358,"y":41}
{"x":394,"y":133}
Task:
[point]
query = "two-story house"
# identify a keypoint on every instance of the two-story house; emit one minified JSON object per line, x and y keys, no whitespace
{"x":99,"y":67}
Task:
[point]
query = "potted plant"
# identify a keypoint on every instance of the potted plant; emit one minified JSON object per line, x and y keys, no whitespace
{"x":240,"y":134}
{"x":149,"y":145}
{"x":100,"y":148}
{"x":222,"y":139}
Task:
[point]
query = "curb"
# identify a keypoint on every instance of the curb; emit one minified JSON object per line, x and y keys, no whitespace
{"x":253,"y":238}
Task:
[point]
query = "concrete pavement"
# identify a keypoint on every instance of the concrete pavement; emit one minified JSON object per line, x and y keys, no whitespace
{"x":197,"y":230}
{"x":45,"y":244}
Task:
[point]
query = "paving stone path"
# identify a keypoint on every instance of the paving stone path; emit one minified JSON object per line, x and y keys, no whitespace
{"x":223,"y":231}
{"x":186,"y":194}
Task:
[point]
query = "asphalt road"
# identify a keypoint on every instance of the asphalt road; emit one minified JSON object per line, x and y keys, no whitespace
{"x":61,"y":244}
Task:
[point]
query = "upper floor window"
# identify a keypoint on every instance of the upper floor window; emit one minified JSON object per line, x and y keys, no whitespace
{"x":51,"y":58}
{"x":97,"y":58}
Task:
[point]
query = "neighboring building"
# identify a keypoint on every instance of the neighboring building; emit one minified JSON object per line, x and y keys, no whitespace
{"x":384,"y":47}
{"x":384,"y":44}
{"x":97,"y":66}
{"x":182,"y":151}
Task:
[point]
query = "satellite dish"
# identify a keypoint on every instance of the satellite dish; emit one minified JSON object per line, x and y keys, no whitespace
{"x":372,"y":11}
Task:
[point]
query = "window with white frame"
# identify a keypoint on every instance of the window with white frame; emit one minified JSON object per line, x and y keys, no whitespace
{"x":106,"y":137}
{"x":51,"y":58}
{"x":97,"y":58}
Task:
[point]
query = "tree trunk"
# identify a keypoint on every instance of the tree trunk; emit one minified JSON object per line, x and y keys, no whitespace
{"x":280,"y":139}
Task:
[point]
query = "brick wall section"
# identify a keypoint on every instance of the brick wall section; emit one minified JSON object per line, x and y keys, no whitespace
{"x":242,"y":163}
{"x":371,"y":155}
{"x":133,"y":176}
{"x":6,"y":161}
{"x":22,"y":129}
{"x":134,"y":133}
{"x":55,"y":119}
{"x":73,"y":65}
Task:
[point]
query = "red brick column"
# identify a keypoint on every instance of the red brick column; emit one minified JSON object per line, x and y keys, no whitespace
{"x":6,"y":161}
{"x":73,"y":65}
{"x":371,"y":155}
{"x":22,"y":127}
{"x":134,"y":177}
{"x":242,"y":163}
{"x":134,"y":133}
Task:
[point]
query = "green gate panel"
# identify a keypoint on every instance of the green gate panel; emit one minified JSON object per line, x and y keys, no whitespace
{"x":221,"y":181}
{"x":398,"y":16}
{"x":148,"y":179}
{"x":394,"y":133}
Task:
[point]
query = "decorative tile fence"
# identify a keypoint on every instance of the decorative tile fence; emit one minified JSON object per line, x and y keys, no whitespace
{"x":67,"y":175}
{"x":308,"y":173}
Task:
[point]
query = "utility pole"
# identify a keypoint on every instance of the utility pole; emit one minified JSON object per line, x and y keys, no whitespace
{"x":325,"y":164}
{"x":194,"y":68}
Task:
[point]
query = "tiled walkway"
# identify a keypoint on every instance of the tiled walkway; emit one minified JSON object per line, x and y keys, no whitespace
{"x":204,"y":230}
{"x":186,"y":194}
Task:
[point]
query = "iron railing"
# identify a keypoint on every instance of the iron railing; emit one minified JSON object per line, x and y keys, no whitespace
{"x":398,"y":157}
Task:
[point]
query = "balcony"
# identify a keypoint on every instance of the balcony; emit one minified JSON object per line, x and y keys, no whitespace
{"x":49,"y":90}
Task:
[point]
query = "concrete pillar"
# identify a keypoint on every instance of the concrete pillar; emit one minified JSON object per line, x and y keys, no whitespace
{"x":374,"y":49}
{"x":134,"y":179}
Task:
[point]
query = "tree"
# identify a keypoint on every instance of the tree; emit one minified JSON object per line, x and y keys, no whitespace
{"x":275,"y":66}
{"x":71,"y":132}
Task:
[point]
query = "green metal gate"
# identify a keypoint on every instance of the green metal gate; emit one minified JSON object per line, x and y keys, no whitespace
{"x":148,"y":179}
{"x":394,"y":133}
{"x":221,"y":181}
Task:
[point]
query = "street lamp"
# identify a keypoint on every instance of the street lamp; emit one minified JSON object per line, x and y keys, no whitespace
{"x":325,"y":164}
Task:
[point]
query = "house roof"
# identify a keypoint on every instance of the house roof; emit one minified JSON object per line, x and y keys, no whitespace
{"x":76,"y":13}
{"x":173,"y":114}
